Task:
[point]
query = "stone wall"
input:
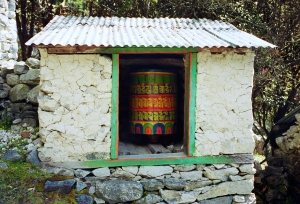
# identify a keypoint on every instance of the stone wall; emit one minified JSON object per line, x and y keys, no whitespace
{"x":203,"y":184}
{"x":18,"y":81}
{"x":223,"y":103}
{"x":75,"y":107}
{"x":8,"y":34}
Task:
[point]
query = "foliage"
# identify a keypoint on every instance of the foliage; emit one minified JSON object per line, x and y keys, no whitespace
{"x":5,"y":122}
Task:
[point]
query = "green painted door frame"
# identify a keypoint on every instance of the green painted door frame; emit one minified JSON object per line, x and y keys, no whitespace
{"x":190,"y":86}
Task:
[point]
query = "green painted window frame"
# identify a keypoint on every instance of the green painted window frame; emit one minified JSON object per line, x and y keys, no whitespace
{"x":191,"y":71}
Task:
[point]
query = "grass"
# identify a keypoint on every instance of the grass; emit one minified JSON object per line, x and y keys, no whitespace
{"x":24,"y":183}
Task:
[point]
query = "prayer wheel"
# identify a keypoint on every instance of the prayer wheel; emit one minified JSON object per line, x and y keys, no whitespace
{"x":153,"y":102}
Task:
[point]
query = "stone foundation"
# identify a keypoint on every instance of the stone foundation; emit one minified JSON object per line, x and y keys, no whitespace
{"x":218,"y":183}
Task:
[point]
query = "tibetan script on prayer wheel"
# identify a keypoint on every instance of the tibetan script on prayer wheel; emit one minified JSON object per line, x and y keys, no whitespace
{"x":153,"y":102}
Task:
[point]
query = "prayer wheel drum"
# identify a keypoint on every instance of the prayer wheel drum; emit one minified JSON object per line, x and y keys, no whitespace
{"x":153,"y":102}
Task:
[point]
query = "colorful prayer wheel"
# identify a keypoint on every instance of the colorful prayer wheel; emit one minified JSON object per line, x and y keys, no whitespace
{"x":153,"y":102}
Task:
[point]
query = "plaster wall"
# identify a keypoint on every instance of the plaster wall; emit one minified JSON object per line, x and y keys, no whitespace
{"x":223,"y":103}
{"x":75,"y":107}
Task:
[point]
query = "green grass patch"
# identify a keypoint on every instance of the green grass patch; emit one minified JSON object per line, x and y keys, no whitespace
{"x":23,"y":182}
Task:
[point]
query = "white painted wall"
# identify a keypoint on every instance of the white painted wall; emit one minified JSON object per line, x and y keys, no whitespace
{"x":75,"y":107}
{"x":223,"y":103}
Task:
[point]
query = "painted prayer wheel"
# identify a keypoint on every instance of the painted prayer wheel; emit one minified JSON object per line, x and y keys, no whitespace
{"x":153,"y":101}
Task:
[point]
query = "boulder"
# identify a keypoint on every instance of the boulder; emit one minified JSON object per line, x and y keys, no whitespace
{"x":154,"y":171}
{"x":33,"y":158}
{"x":32,"y":77}
{"x":220,"y":200}
{"x":20,"y":68}
{"x":84,"y":199}
{"x":12,"y":79}
{"x":33,"y":63}
{"x":5,"y":71}
{"x":101,"y":172}
{"x":79,"y":173}
{"x":33,"y":94}
{"x":150,"y":199}
{"x":63,"y":187}
{"x":174,"y":184}
{"x":4,"y":93}
{"x":19,"y":92}
{"x":116,"y":191}
{"x":3,"y":165}
{"x":171,"y":196}
{"x":228,"y":188}
{"x":80,"y":185}
{"x":221,"y":174}
{"x":12,"y":155}
{"x":152,"y":185}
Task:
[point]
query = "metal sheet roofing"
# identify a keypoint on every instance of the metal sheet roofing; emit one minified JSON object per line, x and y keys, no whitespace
{"x":143,"y":32}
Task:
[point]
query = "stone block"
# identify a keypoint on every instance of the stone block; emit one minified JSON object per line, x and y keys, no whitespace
{"x":228,"y":188}
{"x":101,"y":172}
{"x":171,"y":196}
{"x":154,"y":171}
{"x":191,"y":175}
{"x":33,"y":63}
{"x":32,"y":77}
{"x":19,"y":92}
{"x":12,"y":79}
{"x":221,"y":174}
{"x":20,"y":68}
{"x":33,"y":94}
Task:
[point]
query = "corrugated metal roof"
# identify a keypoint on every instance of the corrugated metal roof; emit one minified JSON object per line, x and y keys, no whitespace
{"x":143,"y":32}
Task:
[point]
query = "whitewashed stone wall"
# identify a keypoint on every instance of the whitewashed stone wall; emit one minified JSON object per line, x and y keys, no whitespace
{"x":75,"y":107}
{"x":223,"y":103}
{"x":8,"y":34}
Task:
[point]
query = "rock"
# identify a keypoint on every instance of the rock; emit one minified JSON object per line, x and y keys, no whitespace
{"x":33,"y":158}
{"x":12,"y":155}
{"x":33,"y":63}
{"x":17,"y":121}
{"x":20,"y":68}
{"x":250,"y":199}
{"x":220,"y":200}
{"x":58,"y":171}
{"x":2,"y":81}
{"x":247,"y":168}
{"x":19,"y":92}
{"x":235,"y":178}
{"x":25,"y":134}
{"x":92,"y":190}
{"x":221,"y":174}
{"x":238,"y":198}
{"x":99,"y":201}
{"x":171,"y":196}
{"x":30,"y":122}
{"x":152,"y":185}
{"x":174,"y":184}
{"x":116,"y":191}
{"x":131,"y":169}
{"x":228,"y":188}
{"x":218,"y":166}
{"x":5,"y":71}
{"x":84,"y":199}
{"x":32,"y":77}
{"x":3,"y":165}
{"x":150,"y":199}
{"x":184,"y":167}
{"x":5,"y":86}
{"x":196,"y":184}
{"x":4,"y":93}
{"x":79,"y":173}
{"x":12,"y":79}
{"x":63,"y":187}
{"x":191,"y":175}
{"x":33,"y":94}
{"x":48,"y":104}
{"x":101,"y":172}
{"x":80,"y":185}
{"x":272,"y":170}
{"x":16,"y":128}
{"x":154,"y":171}
{"x":119,"y":173}
{"x":28,"y":114}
